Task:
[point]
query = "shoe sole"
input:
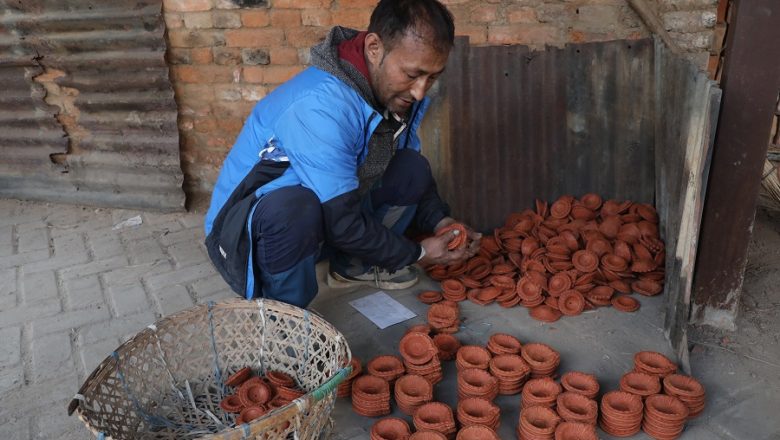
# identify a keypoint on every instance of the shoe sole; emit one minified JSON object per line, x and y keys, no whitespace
{"x":336,"y":281}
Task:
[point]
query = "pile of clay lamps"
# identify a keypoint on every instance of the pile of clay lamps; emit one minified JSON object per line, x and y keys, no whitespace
{"x":435,"y":416}
{"x":370,"y":396}
{"x":411,"y":392}
{"x":390,"y":428}
{"x":421,"y":356}
{"x":387,"y":367}
{"x":257,"y":395}
{"x":537,"y":423}
{"x":562,"y":259}
{"x":345,"y":388}
{"x":473,"y":382}
{"x":478,"y":411}
{"x":447,"y":345}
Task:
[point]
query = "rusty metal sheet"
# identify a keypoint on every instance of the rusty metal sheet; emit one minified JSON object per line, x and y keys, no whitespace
{"x":87,"y":113}
{"x":536,"y":124}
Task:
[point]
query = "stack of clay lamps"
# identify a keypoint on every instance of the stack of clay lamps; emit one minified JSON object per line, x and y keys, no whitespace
{"x":461,"y":236}
{"x":447,"y":345}
{"x":688,"y":390}
{"x":575,"y":431}
{"x":345,"y":387}
{"x":573,"y":407}
{"x":540,"y":392}
{"x":429,"y":297}
{"x":511,"y":371}
{"x":390,"y":428}
{"x":427,"y":435}
{"x":411,"y":392}
{"x":477,"y":432}
{"x":435,"y":416}
{"x":580,"y":383}
{"x":473,"y":382}
{"x":641,"y":384}
{"x":621,"y":413}
{"x":443,"y":317}
{"x":472,"y":356}
{"x":539,"y":258}
{"x":255,"y":396}
{"x":537,"y":423}
{"x":387,"y":367}
{"x":665,"y":417}
{"x":542,"y":359}
{"x":654,"y":364}
{"x":478,"y":411}
{"x":502,"y":343}
{"x":370,"y":396}
{"x":421,"y":356}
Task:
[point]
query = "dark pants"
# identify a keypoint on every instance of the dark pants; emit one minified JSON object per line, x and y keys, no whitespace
{"x":288,"y":229}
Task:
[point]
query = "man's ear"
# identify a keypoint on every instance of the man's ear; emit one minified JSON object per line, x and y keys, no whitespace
{"x":374,"y":49}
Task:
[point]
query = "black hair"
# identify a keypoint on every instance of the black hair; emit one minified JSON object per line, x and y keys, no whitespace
{"x":426,"y":19}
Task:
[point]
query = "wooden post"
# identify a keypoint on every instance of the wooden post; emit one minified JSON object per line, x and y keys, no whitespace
{"x":654,"y":23}
{"x":751,"y":81}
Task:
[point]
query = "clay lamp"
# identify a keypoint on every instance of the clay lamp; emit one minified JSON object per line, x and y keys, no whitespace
{"x":620,"y":286}
{"x":537,"y":422}
{"x":239,"y":377}
{"x":503,"y":269}
{"x":420,"y":328}
{"x":411,"y":392}
{"x":511,"y":371}
{"x":647,"y":212}
{"x":580,"y":383}
{"x":502,"y":281}
{"x":540,"y":392}
{"x":459,"y":240}
{"x":647,"y":287}
{"x":613,"y":207}
{"x":477,"y":432}
{"x":641,"y":384}
{"x":581,"y":212}
{"x":390,"y":428}
{"x":345,"y":387}
{"x":435,"y":416}
{"x":472,"y":356}
{"x":502,"y":343}
{"x":574,"y":407}
{"x":447,"y":345}
{"x":575,"y":431}
{"x":610,"y":226}
{"x":629,"y":233}
{"x":654,"y":363}
{"x":647,"y":229}
{"x":602,"y":294}
{"x":455,"y":270}
{"x":529,"y":245}
{"x":470,"y":283}
{"x":231,"y":404}
{"x":622,"y":250}
{"x":257,"y":393}
{"x":427,"y":435}
{"x":621,"y":413}
{"x":571,"y":303}
{"x":288,"y":393}
{"x":545,"y":313}
{"x":559,"y":283}
{"x":570,"y":238}
{"x":542,"y":358}
{"x":279,"y":378}
{"x":487,"y":295}
{"x":478,"y":411}
{"x":417,"y":348}
{"x":429,"y":297}
{"x":560,"y":208}
{"x":591,"y":201}
{"x":614,"y":263}
{"x":442,"y":315}
{"x":688,"y":390}
{"x":643,"y":265}
{"x":251,"y":413}
{"x":453,"y":289}
{"x":585,"y":261}
{"x":387,"y":367}
{"x":665,"y":416}
{"x":473,"y":382}
{"x":625,"y":303}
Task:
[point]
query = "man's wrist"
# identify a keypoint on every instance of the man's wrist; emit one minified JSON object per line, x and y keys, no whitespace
{"x":422,"y":253}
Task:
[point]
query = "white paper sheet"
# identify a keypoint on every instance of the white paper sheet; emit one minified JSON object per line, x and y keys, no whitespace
{"x":382,"y":310}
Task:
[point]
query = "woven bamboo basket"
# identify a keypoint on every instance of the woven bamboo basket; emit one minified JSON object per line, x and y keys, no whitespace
{"x":168,"y":380}
{"x":770,"y":185}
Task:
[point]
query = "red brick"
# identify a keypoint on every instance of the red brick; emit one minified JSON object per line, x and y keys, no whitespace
{"x":231,"y":125}
{"x":253,"y":74}
{"x":284,"y":55}
{"x":201,"y":55}
{"x":531,"y":34}
{"x":202,"y":74}
{"x":280,"y":74}
{"x":354,"y":18}
{"x":315,"y":17}
{"x":302,"y":4}
{"x":255,"y":18}
{"x":358,"y":3}
{"x":205,"y":125}
{"x":253,"y":93}
{"x":254,"y":37}
{"x":305,"y":36}
{"x":173,"y":20}
{"x":196,"y":38}
{"x":187,"y":5}
{"x":286,"y":18}
{"x":477,"y":33}
{"x":177,"y":55}
{"x":521,"y":14}
{"x":484,"y":14}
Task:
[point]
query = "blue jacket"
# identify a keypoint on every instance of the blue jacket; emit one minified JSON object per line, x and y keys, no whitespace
{"x":323,"y":126}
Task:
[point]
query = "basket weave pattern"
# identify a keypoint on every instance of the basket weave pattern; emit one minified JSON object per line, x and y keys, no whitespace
{"x":168,"y":380}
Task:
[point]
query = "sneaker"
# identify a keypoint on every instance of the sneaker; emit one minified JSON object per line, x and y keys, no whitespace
{"x":400,"y":279}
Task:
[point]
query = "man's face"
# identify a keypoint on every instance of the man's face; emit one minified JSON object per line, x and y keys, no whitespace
{"x":403,"y":75}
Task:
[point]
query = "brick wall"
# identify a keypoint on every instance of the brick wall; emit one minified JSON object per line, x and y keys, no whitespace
{"x":224,"y":57}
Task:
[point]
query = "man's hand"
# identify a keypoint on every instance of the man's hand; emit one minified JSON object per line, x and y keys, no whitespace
{"x":436,"y":251}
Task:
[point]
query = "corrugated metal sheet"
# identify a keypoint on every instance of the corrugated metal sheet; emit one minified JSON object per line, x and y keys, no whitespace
{"x":87,"y":113}
{"x":514,"y":125}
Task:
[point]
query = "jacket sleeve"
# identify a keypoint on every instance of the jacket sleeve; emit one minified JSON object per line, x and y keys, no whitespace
{"x":323,"y":140}
{"x":430,"y":210}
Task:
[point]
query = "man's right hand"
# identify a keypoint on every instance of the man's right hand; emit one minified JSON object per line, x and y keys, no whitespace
{"x":436,"y":251}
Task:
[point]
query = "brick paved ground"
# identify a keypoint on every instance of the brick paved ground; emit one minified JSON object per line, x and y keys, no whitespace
{"x":72,"y":288}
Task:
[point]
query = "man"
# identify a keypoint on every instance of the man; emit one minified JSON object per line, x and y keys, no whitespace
{"x":329,"y":163}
